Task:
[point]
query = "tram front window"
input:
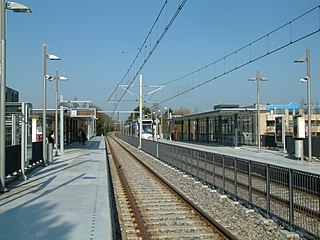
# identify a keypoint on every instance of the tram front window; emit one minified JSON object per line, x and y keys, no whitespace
{"x":147,"y":129}
{"x":147,"y":132}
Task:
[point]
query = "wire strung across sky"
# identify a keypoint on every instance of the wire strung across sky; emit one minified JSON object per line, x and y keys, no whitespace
{"x":139,"y":65}
{"x":245,"y":55}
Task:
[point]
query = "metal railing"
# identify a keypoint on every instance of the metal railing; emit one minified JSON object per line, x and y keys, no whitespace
{"x":288,"y":196}
{"x":13,"y":157}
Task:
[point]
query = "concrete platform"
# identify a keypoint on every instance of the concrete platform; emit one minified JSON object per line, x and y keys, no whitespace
{"x":68,"y":199}
{"x":266,"y":156}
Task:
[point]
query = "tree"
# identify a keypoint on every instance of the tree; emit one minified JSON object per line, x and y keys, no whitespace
{"x":146,"y":113}
{"x":182,"y":111}
{"x":104,"y":122}
{"x":75,"y":105}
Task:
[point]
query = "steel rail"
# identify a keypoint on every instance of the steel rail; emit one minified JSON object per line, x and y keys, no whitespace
{"x":297,"y":207}
{"x":140,"y":223}
{"x":222,"y":230}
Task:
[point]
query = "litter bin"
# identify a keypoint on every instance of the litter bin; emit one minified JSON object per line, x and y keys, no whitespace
{"x":49,"y":152}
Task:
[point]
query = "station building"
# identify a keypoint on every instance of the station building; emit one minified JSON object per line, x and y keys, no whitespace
{"x":230,"y":124}
{"x":23,"y":129}
{"x":73,"y":119}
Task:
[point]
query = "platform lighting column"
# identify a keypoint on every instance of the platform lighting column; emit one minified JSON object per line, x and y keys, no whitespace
{"x":44,"y":110}
{"x":61,"y":126}
{"x":308,"y":80}
{"x":258,"y":79}
{"x":15,"y":7}
{"x":168,"y":117}
{"x":155,"y":136}
{"x":57,"y":78}
{"x":140,"y":111}
{"x":161,"y":120}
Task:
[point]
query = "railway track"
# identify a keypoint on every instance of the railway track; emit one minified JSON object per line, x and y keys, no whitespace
{"x":157,"y":210}
{"x":305,"y":207}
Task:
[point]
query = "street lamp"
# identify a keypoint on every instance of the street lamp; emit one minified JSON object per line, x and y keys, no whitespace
{"x":15,"y":7}
{"x":168,"y":117}
{"x":140,"y":112}
{"x":161,"y":127}
{"x":308,"y":80}
{"x":44,"y":110}
{"x":258,"y":79}
{"x":57,"y":78}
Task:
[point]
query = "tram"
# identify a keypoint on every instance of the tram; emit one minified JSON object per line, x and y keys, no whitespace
{"x":132,"y":128}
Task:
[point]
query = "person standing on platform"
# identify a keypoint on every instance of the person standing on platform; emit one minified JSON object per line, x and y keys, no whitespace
{"x":83,"y":136}
{"x":51,"y":137}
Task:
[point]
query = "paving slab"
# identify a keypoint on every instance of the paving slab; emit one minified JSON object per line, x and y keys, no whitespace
{"x":68,"y":199}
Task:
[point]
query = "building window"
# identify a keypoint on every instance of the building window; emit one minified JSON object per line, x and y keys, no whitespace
{"x":291,"y":112}
{"x":270,"y":123}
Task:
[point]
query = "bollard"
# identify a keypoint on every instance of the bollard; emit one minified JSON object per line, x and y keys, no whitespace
{"x":299,"y":149}
{"x":49,"y":153}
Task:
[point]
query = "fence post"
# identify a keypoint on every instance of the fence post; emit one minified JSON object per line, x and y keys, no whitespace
{"x":268,"y":187}
{"x":198,"y":162}
{"x":291,"y":212}
{"x":223,"y":174}
{"x":235,"y":177}
{"x":213,"y":170}
{"x":205,"y":166}
{"x":250,"y":183}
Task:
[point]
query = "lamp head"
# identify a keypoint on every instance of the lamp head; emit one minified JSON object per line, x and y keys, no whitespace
{"x":52,"y":57}
{"x":305,"y":79}
{"x":261,"y":79}
{"x":63,"y":78}
{"x":50,"y":78}
{"x":18,"y":7}
{"x":300,"y":60}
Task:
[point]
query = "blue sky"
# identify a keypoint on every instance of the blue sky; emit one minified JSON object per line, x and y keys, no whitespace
{"x":98,"y":40}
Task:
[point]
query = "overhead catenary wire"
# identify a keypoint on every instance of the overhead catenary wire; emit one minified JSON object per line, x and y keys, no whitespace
{"x":146,"y":59}
{"x":139,"y":49}
{"x":251,"y":59}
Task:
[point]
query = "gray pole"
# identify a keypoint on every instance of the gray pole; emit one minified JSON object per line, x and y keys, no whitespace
{"x":56,"y":117}
{"x":61,"y":128}
{"x":3,"y":88}
{"x":24,"y":140}
{"x":140,"y":111}
{"x":258,"y":106}
{"x":44,"y":110}
{"x":309,"y":106}
{"x":169,"y":132}
{"x":3,"y":96}
{"x":161,"y":126}
{"x":258,"y":79}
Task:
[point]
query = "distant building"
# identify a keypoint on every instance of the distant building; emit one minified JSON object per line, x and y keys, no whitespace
{"x":12,"y":95}
{"x":289,"y":111}
{"x":233,"y":125}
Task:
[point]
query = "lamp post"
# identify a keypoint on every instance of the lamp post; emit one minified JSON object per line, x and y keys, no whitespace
{"x":140,"y":112}
{"x":168,"y":117}
{"x":161,"y":124}
{"x":57,"y":78}
{"x":44,"y":110}
{"x":308,"y":80}
{"x":258,"y":79}
{"x":15,"y":7}
{"x":155,"y":133}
